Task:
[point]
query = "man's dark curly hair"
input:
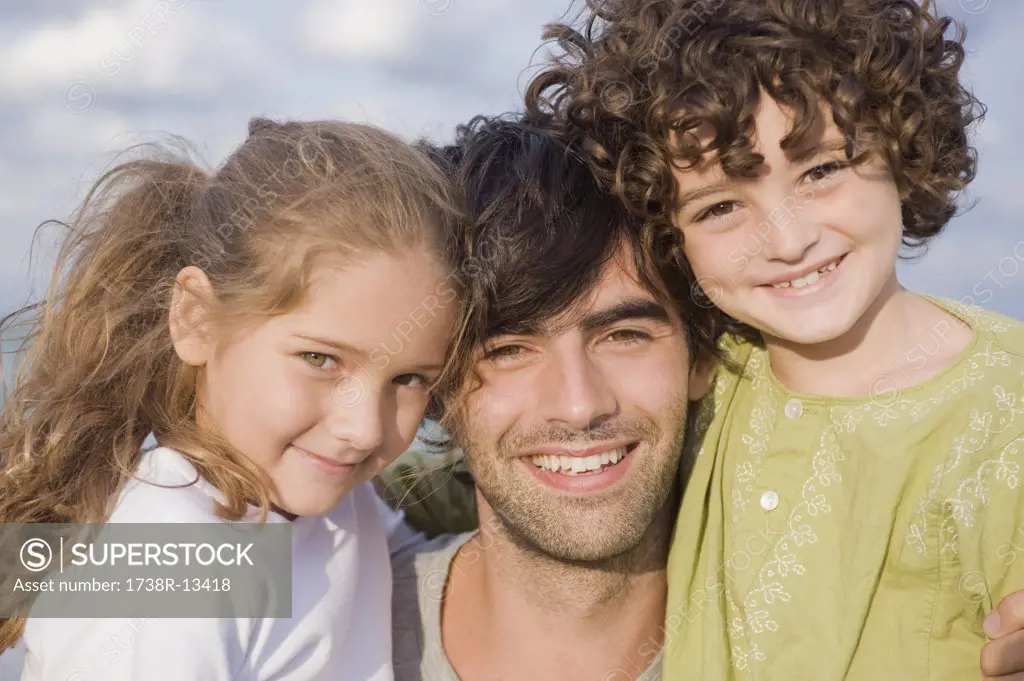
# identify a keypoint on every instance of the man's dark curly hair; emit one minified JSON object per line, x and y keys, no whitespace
{"x":637,"y":75}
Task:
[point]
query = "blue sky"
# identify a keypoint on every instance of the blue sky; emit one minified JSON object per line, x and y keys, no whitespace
{"x":85,"y":79}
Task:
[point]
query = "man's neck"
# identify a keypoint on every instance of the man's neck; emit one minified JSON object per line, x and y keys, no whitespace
{"x":514,"y":613}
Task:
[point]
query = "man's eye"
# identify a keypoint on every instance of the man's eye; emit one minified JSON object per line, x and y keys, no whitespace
{"x":628,"y":336}
{"x":317,"y":360}
{"x":718,"y":210}
{"x":503,"y":352}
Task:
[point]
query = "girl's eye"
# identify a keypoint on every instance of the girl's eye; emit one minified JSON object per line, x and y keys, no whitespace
{"x":824,"y":171}
{"x":317,"y":360}
{"x":628,"y":336}
{"x":718,"y":210}
{"x":414,"y":380}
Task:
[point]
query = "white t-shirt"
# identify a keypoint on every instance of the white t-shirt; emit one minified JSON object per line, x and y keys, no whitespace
{"x":340,"y":629}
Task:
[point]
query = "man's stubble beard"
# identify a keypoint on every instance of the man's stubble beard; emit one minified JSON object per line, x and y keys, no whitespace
{"x":611,"y":529}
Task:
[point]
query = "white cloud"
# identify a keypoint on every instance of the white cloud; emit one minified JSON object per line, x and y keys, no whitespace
{"x":362,"y":30}
{"x":54,"y":53}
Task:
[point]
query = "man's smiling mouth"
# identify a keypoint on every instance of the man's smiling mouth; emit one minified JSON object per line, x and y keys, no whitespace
{"x":582,"y":465}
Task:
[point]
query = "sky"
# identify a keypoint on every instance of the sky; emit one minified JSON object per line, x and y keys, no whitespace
{"x":85,"y":79}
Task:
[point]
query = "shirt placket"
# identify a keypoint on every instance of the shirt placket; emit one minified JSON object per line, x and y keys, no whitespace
{"x":762,"y":548}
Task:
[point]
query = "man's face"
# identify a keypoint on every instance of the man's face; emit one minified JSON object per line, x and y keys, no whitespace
{"x":574,"y":434}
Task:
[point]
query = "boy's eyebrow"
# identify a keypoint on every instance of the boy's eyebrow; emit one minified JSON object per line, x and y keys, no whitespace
{"x":635,"y":308}
{"x":702,"y":192}
{"x":809,"y":151}
{"x":800,"y":155}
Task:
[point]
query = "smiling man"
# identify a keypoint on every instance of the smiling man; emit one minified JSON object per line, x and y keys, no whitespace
{"x":571,"y":405}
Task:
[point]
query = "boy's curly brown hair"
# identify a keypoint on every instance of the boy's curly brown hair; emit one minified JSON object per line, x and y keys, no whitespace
{"x":636,"y":79}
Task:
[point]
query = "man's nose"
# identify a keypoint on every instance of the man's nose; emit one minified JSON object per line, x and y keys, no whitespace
{"x":575,"y":392}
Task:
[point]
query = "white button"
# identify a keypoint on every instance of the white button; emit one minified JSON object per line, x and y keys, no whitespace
{"x":769,"y":500}
{"x":794,"y":409}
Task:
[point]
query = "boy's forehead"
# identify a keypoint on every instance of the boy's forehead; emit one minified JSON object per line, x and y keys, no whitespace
{"x":771,"y":125}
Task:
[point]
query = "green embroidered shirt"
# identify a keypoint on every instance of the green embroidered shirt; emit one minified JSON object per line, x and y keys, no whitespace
{"x":852,"y":539}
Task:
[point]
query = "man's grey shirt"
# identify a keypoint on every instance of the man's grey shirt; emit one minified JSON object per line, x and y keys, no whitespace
{"x":421,"y":581}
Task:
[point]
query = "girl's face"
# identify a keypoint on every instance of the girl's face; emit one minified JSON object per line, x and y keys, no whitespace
{"x":803,"y":251}
{"x":324,"y":397}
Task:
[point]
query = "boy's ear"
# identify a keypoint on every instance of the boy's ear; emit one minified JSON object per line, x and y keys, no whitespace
{"x":189,"y":317}
{"x":701,"y":375}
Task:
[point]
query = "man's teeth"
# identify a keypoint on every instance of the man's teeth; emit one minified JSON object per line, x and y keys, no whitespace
{"x":808,"y":279}
{"x":574,"y":465}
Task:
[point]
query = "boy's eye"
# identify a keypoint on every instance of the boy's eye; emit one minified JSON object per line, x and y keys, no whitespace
{"x":317,"y":360}
{"x":720,"y":209}
{"x":824,"y":171}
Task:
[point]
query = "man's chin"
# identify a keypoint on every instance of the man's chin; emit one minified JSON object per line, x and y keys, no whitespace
{"x":575,"y":529}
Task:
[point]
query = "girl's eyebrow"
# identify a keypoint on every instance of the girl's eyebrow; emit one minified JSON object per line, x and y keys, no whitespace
{"x":350,"y":350}
{"x":338,"y":345}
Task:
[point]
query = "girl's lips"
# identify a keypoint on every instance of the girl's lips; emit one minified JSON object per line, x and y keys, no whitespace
{"x":329,"y":466}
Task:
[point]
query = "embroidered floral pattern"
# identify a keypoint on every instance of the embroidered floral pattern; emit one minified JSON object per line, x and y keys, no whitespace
{"x":759,"y":617}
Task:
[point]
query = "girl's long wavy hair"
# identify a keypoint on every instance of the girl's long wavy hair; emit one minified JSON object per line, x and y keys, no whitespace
{"x":634,"y":78}
{"x":99,"y":373}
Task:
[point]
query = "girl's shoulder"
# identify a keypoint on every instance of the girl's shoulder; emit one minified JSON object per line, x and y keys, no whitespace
{"x":165,"y":488}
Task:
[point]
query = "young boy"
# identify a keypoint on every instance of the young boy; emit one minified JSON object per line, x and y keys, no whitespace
{"x":854,"y":510}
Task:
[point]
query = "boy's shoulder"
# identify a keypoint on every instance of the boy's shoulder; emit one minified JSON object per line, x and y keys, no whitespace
{"x":1002,"y":331}
{"x":989,"y":381}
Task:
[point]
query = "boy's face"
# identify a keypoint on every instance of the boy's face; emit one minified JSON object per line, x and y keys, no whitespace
{"x":804,"y":250}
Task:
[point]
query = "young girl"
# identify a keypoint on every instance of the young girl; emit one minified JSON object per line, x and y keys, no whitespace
{"x":277,"y":327}
{"x":855,"y":509}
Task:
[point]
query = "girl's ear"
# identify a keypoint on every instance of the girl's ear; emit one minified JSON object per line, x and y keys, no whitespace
{"x":702,"y":374}
{"x":189,"y":317}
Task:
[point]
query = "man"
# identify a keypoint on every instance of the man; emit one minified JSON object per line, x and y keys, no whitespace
{"x":572,"y":412}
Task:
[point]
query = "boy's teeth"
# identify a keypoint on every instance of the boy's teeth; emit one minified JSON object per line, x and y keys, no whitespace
{"x":808,"y":279}
{"x":575,"y":465}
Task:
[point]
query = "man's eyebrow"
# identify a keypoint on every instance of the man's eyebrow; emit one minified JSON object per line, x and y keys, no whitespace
{"x":633,"y":308}
{"x":529,"y":328}
{"x":636,"y":308}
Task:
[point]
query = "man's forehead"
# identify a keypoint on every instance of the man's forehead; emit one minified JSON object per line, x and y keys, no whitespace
{"x":614,"y":297}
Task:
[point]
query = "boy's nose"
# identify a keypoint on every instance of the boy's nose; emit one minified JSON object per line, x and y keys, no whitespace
{"x":790,"y":242}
